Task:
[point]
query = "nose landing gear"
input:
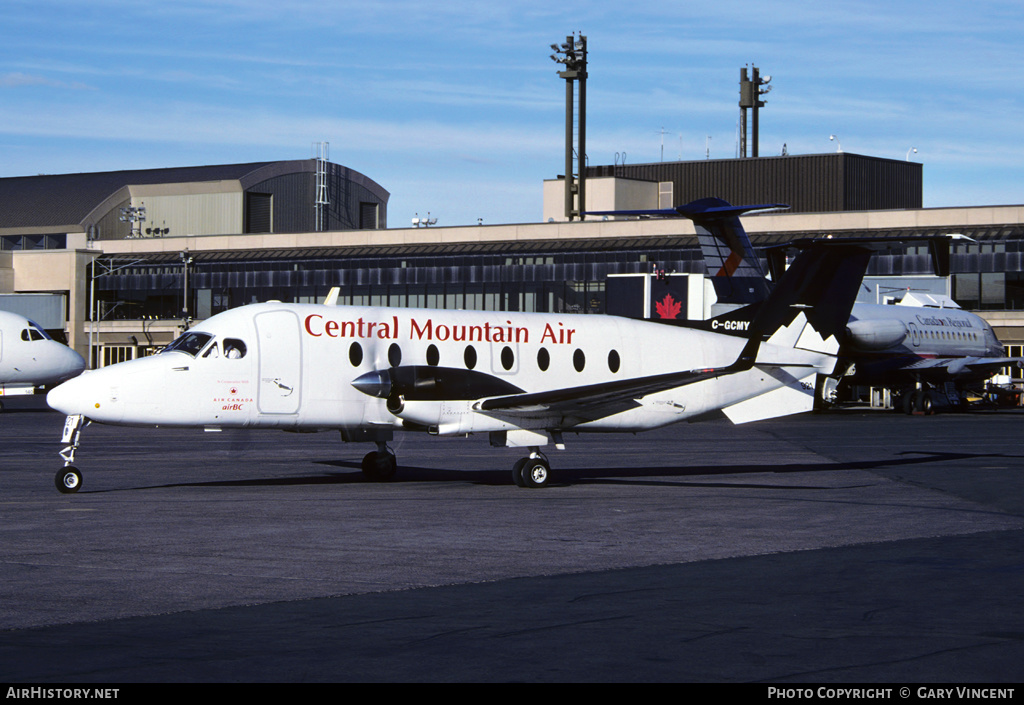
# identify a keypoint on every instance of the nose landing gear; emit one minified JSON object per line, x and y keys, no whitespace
{"x":69,"y":479}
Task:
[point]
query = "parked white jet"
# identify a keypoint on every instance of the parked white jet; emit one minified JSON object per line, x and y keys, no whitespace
{"x":29,"y":358}
{"x":915,"y":350}
{"x":521,"y":378}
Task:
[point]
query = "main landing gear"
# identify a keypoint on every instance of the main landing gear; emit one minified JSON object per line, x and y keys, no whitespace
{"x":533,"y":471}
{"x":380,"y":465}
{"x":69,"y":479}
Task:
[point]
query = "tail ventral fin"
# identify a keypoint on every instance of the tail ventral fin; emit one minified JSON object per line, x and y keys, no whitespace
{"x":805,"y":313}
{"x":821,"y":284}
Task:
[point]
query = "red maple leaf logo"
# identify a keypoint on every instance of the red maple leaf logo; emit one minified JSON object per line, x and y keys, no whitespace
{"x":668,"y":307}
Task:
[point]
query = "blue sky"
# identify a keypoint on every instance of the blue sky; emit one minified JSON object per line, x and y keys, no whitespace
{"x":456,"y":109}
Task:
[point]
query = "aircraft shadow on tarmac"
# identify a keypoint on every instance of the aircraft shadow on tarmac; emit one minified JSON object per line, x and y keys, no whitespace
{"x":582,"y":476}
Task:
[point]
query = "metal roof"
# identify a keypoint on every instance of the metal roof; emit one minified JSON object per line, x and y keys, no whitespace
{"x":66,"y":199}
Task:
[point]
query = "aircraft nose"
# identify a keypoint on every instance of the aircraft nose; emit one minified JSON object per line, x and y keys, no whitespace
{"x":71,"y":397}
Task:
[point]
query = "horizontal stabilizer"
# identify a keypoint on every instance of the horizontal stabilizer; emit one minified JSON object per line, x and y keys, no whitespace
{"x":701,"y":209}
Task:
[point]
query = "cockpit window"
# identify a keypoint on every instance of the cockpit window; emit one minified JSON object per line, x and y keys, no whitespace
{"x":190,"y":343}
{"x":33,"y":332}
{"x":234,"y":348}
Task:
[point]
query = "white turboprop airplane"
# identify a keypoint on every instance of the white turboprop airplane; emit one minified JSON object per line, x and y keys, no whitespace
{"x":29,"y":358}
{"x":521,"y":378}
{"x":913,"y":349}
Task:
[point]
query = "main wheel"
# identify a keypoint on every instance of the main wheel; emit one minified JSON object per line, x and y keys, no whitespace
{"x":517,"y":472}
{"x":379,"y":467}
{"x":68,"y":480}
{"x":535,"y":473}
{"x":924,"y":402}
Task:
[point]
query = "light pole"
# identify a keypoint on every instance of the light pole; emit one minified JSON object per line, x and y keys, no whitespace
{"x":186,"y":260}
{"x":751,"y":90}
{"x":134,"y":216}
{"x":573,"y":55}
{"x":110,"y":269}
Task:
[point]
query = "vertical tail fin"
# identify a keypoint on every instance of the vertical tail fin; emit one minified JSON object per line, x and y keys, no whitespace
{"x":734,"y":269}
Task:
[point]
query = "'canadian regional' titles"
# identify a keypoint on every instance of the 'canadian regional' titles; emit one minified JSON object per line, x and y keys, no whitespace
{"x":418,"y":329}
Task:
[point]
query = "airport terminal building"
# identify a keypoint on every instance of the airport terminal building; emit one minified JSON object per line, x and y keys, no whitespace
{"x":122,"y":262}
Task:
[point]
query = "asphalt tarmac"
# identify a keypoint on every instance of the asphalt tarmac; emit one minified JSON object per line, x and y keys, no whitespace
{"x":852,"y":547}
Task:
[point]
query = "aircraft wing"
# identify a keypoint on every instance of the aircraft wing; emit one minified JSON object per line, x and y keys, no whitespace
{"x":964,"y":366}
{"x":594,"y":401}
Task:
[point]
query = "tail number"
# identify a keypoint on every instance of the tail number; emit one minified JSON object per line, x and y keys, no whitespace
{"x":730,"y":325}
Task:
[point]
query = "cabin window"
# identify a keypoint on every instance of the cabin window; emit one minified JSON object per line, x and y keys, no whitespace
{"x":355,"y":354}
{"x":470,"y":357}
{"x":508,"y":358}
{"x":543,"y":359}
{"x":613,"y":361}
{"x":433,"y":356}
{"x":394,"y":355}
{"x":579,"y":360}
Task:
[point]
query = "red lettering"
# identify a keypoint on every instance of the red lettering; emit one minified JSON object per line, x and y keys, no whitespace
{"x":561,"y":337}
{"x":331,"y":329}
{"x":415,"y":331}
{"x":309,"y":318}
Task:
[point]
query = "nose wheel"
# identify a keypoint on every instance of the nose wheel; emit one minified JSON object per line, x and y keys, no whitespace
{"x":68,"y":480}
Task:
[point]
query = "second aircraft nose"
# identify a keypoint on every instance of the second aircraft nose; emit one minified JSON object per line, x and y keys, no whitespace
{"x":74,"y":364}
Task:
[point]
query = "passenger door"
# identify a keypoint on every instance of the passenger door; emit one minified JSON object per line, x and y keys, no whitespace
{"x":279,"y":346}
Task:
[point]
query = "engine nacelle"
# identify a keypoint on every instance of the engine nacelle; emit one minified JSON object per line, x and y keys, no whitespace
{"x":876,"y":335}
{"x":445,"y":417}
{"x":427,"y":414}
